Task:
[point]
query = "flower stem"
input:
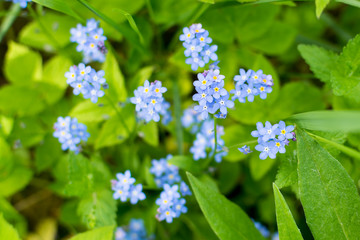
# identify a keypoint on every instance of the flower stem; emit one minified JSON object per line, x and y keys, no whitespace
{"x":242,"y":144}
{"x":177,"y":109}
{"x":9,"y":19}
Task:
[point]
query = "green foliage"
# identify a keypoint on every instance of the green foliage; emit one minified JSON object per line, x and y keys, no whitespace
{"x":7,"y":231}
{"x":286,"y":224}
{"x":326,"y":190}
{"x":105,"y":233}
{"x":226,"y":218}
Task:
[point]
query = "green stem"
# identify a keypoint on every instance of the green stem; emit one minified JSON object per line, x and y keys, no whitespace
{"x":242,"y":144}
{"x":343,"y":34}
{"x":177,"y":107}
{"x":348,"y":151}
{"x":212,"y":156}
{"x":9,"y":19}
{"x":119,"y":114}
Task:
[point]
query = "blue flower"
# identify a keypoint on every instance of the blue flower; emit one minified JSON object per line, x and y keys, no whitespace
{"x":223,"y":103}
{"x":250,"y":84}
{"x":22,"y":3}
{"x":150,"y":103}
{"x":267,"y":149}
{"x":262,"y":229}
{"x":70,"y":133}
{"x":170,"y":204}
{"x":135,"y":231}
{"x":279,"y":146}
{"x":184,"y":189}
{"x":86,"y":81}
{"x":245,"y":149}
{"x":164,"y":172}
{"x":285,"y":132}
{"x":269,"y":131}
{"x":125,"y":189}
{"x":90,"y":41}
{"x":198,"y":50}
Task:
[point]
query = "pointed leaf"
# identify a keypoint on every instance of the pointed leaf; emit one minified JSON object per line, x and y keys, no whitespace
{"x":226,"y":218}
{"x":330,"y":199}
{"x":104,"y":233}
{"x":7,"y":231}
{"x":286,"y":224}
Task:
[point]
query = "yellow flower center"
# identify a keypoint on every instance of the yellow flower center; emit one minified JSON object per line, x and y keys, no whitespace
{"x":153,"y":101}
{"x":96,"y":36}
{"x":146,"y":90}
{"x":203,"y":82}
{"x":262,"y":89}
{"x":82,"y":72}
{"x":256,"y":77}
{"x":264,"y":80}
{"x":157,"y":90}
{"x":214,"y":77}
{"x":201,"y":39}
{"x":79,"y":85}
{"x":72,"y":75}
{"x":167,"y":213}
{"x":92,"y":45}
{"x":203,"y":95}
{"x":283,"y":131}
{"x":188,"y":35}
{"x":216,"y":89}
{"x":278,"y":144}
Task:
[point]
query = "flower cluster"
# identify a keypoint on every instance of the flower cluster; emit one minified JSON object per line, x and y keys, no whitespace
{"x":198,"y":49}
{"x":211,"y":94}
{"x":87,"y":81}
{"x":150,"y":103}
{"x":272,"y":138}
{"x":205,"y":142}
{"x":23,"y":3}
{"x":191,"y":119}
{"x":90,"y":41}
{"x":125,"y":189}
{"x":70,"y":133}
{"x":166,"y":173}
{"x":250,"y":84}
{"x":134,"y":231}
{"x":170,"y":203}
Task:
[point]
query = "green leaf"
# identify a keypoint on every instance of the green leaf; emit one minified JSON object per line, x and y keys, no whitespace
{"x":114,"y":78}
{"x":331,"y":121}
{"x":185,"y":163}
{"x":287,"y":174}
{"x":59,"y":5}
{"x":47,"y":153}
{"x":277,"y":40}
{"x":227,"y":219}
{"x":21,"y":100}
{"x":104,"y":233}
{"x":320,"y":6}
{"x":6,"y":124}
{"x":150,"y":133}
{"x":286,"y":224}
{"x":16,"y":181}
{"x":320,"y":60}
{"x":326,"y":190}
{"x":86,"y":111}
{"x":98,"y":209}
{"x":132,"y":23}
{"x":80,"y":176}
{"x":345,"y":77}
{"x":7,"y":231}
{"x":13,"y":216}
{"x":114,"y":131}
{"x":49,"y":32}
{"x":19,"y":56}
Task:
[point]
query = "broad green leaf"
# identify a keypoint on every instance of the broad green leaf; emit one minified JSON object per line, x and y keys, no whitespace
{"x":80,"y":176}
{"x":86,"y":111}
{"x":16,"y":181}
{"x":276,"y":40}
{"x":13,"y":216}
{"x":332,"y":144}
{"x":346,"y":74}
{"x":286,"y":224}
{"x":320,"y":6}
{"x":6,"y":159}
{"x":229,"y":174}
{"x":27,"y":132}
{"x":47,"y":153}
{"x":55,"y":69}
{"x":30,"y":62}
{"x":331,"y":121}
{"x":97,"y":209}
{"x":320,"y":60}
{"x":52,"y":34}
{"x":140,"y":77}
{"x":287,"y":175}
{"x":103,"y":233}
{"x":114,"y":78}
{"x":7,"y":231}
{"x":117,"y":129}
{"x":326,"y":190}
{"x":21,"y":100}
{"x":185,"y":163}
{"x":6,"y":124}
{"x":227,"y":219}
{"x":150,"y":133}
